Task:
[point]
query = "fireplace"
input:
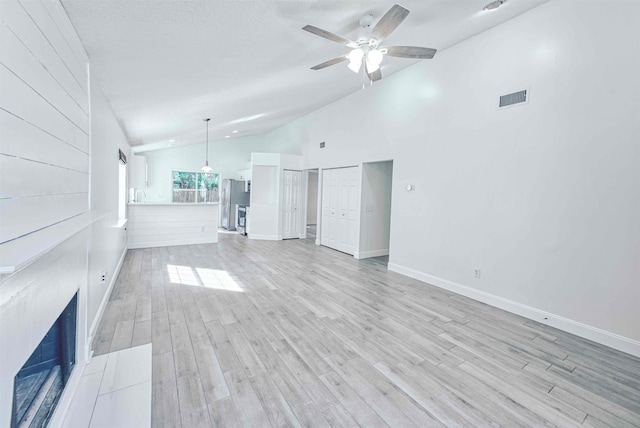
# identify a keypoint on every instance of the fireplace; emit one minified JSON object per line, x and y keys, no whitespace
{"x":39,"y":383}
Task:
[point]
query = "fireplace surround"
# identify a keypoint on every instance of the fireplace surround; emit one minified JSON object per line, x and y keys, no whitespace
{"x":31,"y":301}
{"x":39,"y":383}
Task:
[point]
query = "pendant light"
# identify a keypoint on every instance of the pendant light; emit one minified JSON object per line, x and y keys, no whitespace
{"x":206,"y":167}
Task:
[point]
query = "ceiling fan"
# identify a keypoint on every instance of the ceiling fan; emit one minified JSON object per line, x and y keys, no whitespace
{"x":367,"y":50}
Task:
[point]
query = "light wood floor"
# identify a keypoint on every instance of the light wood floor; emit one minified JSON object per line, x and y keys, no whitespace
{"x":259,"y":333}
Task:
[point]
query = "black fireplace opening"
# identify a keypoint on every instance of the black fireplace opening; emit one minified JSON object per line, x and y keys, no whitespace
{"x":39,"y":383}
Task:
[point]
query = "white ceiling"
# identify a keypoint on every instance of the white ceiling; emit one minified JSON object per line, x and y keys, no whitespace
{"x":164,"y":65}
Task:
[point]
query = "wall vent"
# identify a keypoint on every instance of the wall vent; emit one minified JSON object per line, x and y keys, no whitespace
{"x":514,"y":98}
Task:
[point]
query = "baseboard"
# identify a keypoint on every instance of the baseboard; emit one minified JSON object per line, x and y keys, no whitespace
{"x":265,"y":237}
{"x":372,"y":253}
{"x":105,"y":299}
{"x":603,"y":337}
{"x":152,"y":244}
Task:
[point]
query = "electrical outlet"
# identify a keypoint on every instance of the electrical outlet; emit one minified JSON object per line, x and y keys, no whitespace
{"x":202,"y":229}
{"x":476,"y":272}
{"x":103,"y":276}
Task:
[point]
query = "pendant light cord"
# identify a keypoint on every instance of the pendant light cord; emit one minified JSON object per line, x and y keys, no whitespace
{"x":207,"y":120}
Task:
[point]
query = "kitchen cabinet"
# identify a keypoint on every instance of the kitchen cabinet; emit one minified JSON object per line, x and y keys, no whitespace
{"x":245,"y":174}
{"x":138,"y":172}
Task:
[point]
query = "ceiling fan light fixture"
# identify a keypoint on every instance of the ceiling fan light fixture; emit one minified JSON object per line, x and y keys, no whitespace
{"x":372,"y":67}
{"x":355,"y":66}
{"x":374,"y":57}
{"x":356,"y":55}
{"x":355,"y":59}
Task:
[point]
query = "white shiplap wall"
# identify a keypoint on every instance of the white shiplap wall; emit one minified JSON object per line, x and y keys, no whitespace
{"x":44,"y":118}
{"x":44,"y":180}
{"x":161,"y":225}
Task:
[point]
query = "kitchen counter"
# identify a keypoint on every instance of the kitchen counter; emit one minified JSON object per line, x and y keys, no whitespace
{"x":166,"y":224}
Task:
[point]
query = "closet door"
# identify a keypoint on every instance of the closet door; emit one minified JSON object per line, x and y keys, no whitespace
{"x":330,"y":181}
{"x":352,"y":186}
{"x":291,"y":215}
{"x":342,"y":209}
{"x":339,"y":209}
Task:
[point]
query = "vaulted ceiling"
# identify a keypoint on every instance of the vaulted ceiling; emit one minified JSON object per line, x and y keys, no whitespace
{"x":164,"y":65}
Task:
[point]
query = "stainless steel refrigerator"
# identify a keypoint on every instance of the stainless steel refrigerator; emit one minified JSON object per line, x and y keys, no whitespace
{"x":232,"y":194}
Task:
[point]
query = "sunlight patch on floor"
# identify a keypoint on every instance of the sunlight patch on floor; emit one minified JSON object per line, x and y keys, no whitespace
{"x":219,"y":279}
{"x":202,"y":277}
{"x":182,"y":275}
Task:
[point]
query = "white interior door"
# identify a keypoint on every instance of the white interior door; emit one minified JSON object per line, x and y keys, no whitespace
{"x":325,"y":226}
{"x":340,"y":209}
{"x":291,"y":215}
{"x":352,"y":212}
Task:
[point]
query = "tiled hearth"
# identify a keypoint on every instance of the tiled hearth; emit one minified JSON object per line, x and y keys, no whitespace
{"x":114,"y":391}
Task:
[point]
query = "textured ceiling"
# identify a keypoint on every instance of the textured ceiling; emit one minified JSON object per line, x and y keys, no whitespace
{"x":164,"y":65}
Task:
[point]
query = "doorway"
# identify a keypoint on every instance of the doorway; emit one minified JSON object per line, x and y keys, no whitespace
{"x":375,"y":216}
{"x":312,"y":204}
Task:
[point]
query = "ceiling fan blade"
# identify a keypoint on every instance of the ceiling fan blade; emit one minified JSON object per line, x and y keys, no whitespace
{"x":329,"y":36}
{"x":389,"y":22}
{"x":415,"y":52}
{"x":375,"y":76}
{"x":329,"y":63}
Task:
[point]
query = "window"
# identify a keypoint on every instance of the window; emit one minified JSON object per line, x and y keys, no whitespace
{"x":195,"y":187}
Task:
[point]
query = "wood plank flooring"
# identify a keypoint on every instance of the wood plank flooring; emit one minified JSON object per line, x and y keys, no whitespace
{"x":287,"y":333}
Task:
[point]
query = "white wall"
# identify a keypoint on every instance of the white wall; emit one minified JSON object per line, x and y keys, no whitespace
{"x":375,"y":209}
{"x":286,"y":139}
{"x":543,"y":197}
{"x":265,"y":209}
{"x":108,"y":239}
{"x":227,"y":157}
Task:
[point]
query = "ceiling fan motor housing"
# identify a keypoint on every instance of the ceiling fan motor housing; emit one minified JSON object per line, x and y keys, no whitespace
{"x":366,"y":21}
